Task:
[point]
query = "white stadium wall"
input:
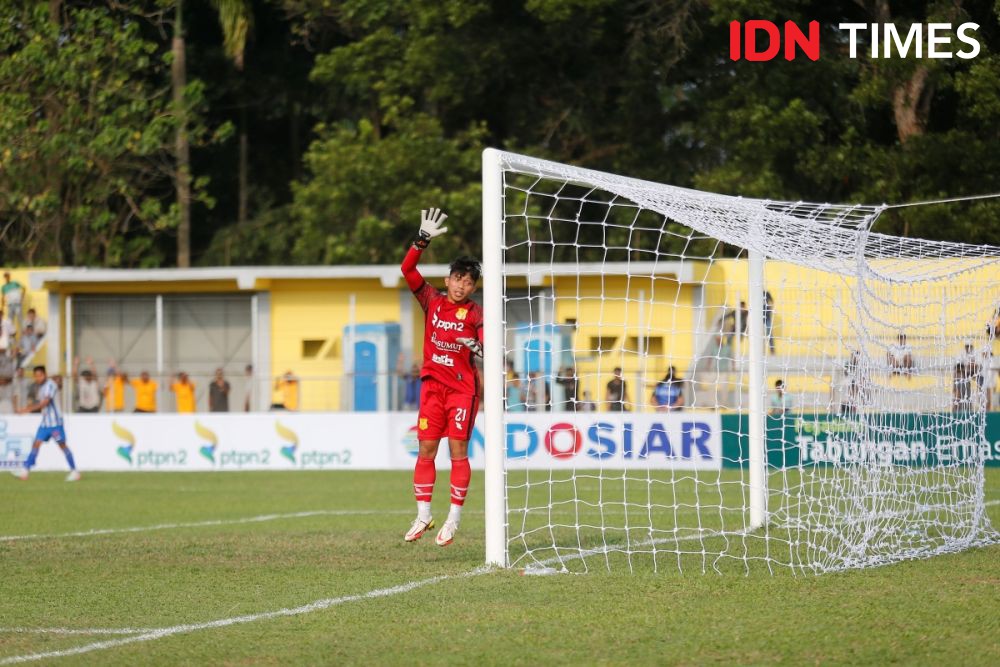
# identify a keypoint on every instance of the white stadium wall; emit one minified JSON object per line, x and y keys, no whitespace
{"x":368,"y":441}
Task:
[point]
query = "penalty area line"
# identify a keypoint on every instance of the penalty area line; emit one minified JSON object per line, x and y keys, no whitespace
{"x":74,"y":631}
{"x":198,"y":524}
{"x":318,"y":605}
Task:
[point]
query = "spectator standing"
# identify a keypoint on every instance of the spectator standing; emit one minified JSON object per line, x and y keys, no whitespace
{"x":88,"y":389}
{"x":900,"y":356}
{"x":250,"y":389}
{"x":25,"y":390}
{"x":286,"y":392}
{"x":854,"y":390}
{"x":411,"y":388}
{"x":515,"y":393}
{"x":726,"y":340}
{"x":744,"y":318}
{"x":769,"y":320}
{"x":616,"y":394}
{"x":114,"y":389}
{"x":27,"y":344}
{"x":183,"y":390}
{"x":779,"y":400}
{"x":967,"y":371}
{"x":6,"y":384}
{"x":987,"y":376}
{"x":570,"y":383}
{"x":13,"y":297}
{"x":32,"y":319}
{"x":668,"y":395}
{"x":993,"y":326}
{"x":6,"y":334}
{"x":145,"y":393}
{"x":218,"y":393}
{"x":537,"y":399}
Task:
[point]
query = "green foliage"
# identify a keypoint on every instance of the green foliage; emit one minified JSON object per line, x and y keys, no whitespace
{"x":363,"y":203}
{"x":359,"y":113}
{"x":84,"y":132}
{"x":831,"y":130}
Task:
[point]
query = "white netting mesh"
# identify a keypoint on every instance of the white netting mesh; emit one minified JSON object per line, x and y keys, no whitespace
{"x":875,"y":444}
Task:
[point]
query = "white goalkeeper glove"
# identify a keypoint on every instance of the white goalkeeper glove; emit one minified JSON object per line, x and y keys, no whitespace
{"x":430,"y":226}
{"x":474,"y":345}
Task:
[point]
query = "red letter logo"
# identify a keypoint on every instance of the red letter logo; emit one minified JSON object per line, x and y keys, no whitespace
{"x":745,"y":44}
{"x":774,"y":40}
{"x":794,"y":37}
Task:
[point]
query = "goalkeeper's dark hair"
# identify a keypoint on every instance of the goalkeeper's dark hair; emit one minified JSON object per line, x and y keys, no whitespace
{"x":466,"y":265}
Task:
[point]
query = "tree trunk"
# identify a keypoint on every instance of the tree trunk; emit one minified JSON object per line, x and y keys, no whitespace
{"x":294,"y":139}
{"x":241,"y":214}
{"x":182,"y":144}
{"x":911,"y":99}
{"x":55,"y":183}
{"x":911,"y":104}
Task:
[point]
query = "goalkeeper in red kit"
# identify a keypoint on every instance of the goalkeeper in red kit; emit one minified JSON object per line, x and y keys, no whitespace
{"x":450,"y":388}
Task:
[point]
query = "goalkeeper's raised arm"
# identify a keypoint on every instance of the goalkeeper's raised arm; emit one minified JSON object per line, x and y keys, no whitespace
{"x":449,"y":391}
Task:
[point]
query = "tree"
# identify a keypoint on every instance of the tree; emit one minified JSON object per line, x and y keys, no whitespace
{"x":235,"y":19}
{"x":85,"y":137}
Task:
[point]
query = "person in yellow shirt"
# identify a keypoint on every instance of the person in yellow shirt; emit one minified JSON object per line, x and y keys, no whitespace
{"x":286,"y":393}
{"x":145,"y":393}
{"x":183,"y":390}
{"x":114,"y":390}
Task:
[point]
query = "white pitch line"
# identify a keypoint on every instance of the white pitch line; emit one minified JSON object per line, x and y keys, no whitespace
{"x":197,"y":524}
{"x":318,"y":605}
{"x":75,"y":631}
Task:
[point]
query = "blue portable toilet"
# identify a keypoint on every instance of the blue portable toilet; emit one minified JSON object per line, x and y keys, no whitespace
{"x":372,"y":351}
{"x":543,"y":348}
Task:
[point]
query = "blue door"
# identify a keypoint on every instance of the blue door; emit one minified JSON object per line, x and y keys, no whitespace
{"x":365,"y":368}
{"x":537,"y":356}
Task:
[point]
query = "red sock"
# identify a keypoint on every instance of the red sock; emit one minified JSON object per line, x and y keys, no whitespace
{"x":424,"y":474}
{"x":461,"y":473}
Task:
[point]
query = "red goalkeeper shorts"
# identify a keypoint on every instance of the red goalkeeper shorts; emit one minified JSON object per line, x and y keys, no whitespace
{"x":445,"y":412}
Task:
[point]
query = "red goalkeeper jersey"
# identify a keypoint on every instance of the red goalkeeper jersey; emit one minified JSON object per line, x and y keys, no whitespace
{"x":445,"y":359}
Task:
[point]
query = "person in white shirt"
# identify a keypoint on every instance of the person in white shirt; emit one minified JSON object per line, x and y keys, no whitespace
{"x":88,"y":388}
{"x":31,"y":319}
{"x":901,"y":357}
{"x":6,"y":334}
{"x":51,"y":427}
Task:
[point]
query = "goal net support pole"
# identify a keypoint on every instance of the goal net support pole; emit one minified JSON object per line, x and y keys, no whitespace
{"x":493,"y":362}
{"x":757,"y":390}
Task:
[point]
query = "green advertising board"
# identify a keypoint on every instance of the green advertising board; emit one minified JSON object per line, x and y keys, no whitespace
{"x":900,"y":439}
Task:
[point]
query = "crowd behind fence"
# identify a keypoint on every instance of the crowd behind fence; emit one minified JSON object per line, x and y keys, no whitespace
{"x":562,"y":391}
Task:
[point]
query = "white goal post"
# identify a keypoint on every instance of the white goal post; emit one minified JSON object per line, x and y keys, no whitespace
{"x":681,"y":380}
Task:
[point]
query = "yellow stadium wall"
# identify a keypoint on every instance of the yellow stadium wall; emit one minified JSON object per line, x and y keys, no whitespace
{"x":308,"y":317}
{"x":307,"y":325}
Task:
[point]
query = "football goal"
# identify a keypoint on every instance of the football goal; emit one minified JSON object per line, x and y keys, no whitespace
{"x":682,"y":380}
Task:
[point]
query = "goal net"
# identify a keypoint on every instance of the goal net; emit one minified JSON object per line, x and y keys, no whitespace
{"x":684,"y":380}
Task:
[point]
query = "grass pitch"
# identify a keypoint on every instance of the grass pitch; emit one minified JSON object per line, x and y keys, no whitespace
{"x":310,"y":568}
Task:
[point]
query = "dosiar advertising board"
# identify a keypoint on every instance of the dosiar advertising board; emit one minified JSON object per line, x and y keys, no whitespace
{"x":365,"y":441}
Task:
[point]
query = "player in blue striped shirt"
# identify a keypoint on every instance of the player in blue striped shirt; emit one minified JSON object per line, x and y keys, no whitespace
{"x":51,"y":427}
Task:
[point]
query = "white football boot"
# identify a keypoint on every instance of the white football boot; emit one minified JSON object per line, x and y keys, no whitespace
{"x":418,"y":529}
{"x":447,"y":533}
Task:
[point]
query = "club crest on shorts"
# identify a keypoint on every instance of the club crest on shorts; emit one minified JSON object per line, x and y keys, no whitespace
{"x":461,"y":313}
{"x":422,"y":424}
